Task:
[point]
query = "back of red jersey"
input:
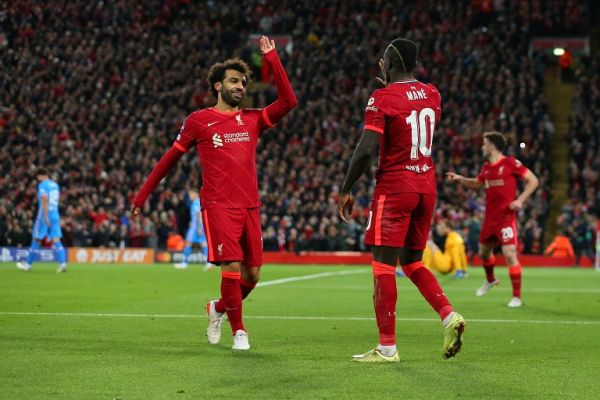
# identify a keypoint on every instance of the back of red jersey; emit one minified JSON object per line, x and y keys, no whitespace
{"x":500,"y":181}
{"x":405,"y":113}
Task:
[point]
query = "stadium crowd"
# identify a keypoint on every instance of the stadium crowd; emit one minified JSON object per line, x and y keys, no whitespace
{"x":579,"y":218}
{"x":96,"y":91}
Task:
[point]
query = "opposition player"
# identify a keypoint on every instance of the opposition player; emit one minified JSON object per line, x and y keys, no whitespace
{"x":401,"y":118}
{"x":194,"y":234}
{"x":499,"y":175}
{"x":47,"y":222}
{"x":453,"y":258}
{"x":226,"y":137}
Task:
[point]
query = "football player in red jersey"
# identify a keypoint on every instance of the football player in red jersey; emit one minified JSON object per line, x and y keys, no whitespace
{"x":401,"y":119}
{"x":499,"y":176}
{"x":225,"y":137}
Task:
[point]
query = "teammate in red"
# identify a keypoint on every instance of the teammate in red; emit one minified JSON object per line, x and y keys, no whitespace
{"x":401,"y":118}
{"x":499,"y":175}
{"x":225,"y":138}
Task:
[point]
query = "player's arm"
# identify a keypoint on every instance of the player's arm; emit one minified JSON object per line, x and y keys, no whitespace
{"x":531,"y":183}
{"x":45,"y":209}
{"x":199,"y":223}
{"x":433,"y":247}
{"x":162,"y":168}
{"x":286,"y":99}
{"x":186,"y":139}
{"x":361,"y":160}
{"x":471,"y":183}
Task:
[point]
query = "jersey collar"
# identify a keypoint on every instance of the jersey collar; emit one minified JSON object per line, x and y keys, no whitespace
{"x":224,"y":112}
{"x":497,"y":162}
{"x":408,"y":81}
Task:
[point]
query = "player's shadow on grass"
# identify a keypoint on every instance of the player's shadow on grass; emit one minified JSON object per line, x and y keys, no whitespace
{"x":566,"y":315}
{"x":470,"y":370}
{"x":133,"y":346}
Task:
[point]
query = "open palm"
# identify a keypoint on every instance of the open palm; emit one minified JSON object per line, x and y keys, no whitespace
{"x":266,"y":44}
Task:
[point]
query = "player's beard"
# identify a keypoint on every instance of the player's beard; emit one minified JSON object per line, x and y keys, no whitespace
{"x":229,"y":99}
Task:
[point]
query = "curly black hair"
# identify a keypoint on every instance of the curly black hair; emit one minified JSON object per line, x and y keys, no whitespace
{"x":217,"y":72}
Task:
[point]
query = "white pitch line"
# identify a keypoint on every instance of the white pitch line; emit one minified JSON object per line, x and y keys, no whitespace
{"x":110,"y":315}
{"x":289,"y":318}
{"x":453,"y":288}
{"x":493,"y":321}
{"x":312,"y":276}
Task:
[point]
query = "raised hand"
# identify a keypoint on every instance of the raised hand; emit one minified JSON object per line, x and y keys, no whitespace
{"x":383,"y":80}
{"x":266,"y":44}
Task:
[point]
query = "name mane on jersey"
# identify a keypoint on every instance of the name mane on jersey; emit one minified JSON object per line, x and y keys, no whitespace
{"x":418,"y":168}
{"x":416,"y":94}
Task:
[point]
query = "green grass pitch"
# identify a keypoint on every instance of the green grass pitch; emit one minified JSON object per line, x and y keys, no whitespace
{"x":137,"y":332}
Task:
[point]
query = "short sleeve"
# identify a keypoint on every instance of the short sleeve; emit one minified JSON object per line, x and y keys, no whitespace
{"x":374,"y":113}
{"x":518,"y":168}
{"x":480,"y":177}
{"x":186,"y":138}
{"x":42,"y":191}
{"x":437,"y":99}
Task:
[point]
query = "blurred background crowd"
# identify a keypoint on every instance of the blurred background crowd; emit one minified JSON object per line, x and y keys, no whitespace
{"x":97,"y":91}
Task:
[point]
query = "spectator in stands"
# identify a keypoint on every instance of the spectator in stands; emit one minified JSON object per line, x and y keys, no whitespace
{"x":270,"y":239}
{"x":560,"y":247}
{"x":565,"y":62}
{"x":86,"y":100}
{"x":472,"y":226}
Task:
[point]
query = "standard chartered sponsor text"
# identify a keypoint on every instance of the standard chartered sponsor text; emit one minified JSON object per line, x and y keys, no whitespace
{"x":236,"y":137}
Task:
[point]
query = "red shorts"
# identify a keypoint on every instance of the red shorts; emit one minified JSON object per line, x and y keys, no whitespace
{"x":400,"y":220}
{"x":504,"y":233}
{"x":233,"y":234}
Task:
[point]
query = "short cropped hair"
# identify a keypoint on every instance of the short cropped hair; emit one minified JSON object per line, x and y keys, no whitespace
{"x":404,"y":52}
{"x":497,"y":139}
{"x":445,"y":222}
{"x":42,"y":171}
{"x":217,"y":72}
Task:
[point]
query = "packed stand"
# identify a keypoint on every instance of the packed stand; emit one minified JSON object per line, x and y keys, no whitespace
{"x":579,"y":218}
{"x":96,"y":91}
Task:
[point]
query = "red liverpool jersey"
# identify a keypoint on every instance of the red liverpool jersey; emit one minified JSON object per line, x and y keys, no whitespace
{"x":405,"y":113}
{"x":226,"y":145}
{"x":500,"y":181}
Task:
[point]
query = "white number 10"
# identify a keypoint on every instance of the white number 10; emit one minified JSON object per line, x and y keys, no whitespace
{"x":420,"y":142}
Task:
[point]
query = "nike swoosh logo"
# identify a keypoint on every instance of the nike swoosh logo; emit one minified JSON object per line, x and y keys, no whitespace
{"x":212,"y":123}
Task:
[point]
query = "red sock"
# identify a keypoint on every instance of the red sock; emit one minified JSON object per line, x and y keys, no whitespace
{"x":246,"y":288}
{"x":385,"y":295}
{"x":488,"y":266}
{"x":220,"y":306}
{"x":231,"y":295}
{"x":429,"y":287}
{"x":515,"y":278}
